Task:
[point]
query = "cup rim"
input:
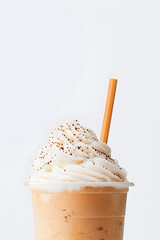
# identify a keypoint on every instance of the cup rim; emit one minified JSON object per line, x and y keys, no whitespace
{"x":92,"y":184}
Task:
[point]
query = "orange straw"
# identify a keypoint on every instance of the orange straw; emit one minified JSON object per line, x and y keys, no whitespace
{"x":108,"y":110}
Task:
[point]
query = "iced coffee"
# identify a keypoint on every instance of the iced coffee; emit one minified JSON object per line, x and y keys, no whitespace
{"x":79,"y":191}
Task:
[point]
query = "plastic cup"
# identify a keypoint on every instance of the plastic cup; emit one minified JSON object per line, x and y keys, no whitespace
{"x":79,"y":211}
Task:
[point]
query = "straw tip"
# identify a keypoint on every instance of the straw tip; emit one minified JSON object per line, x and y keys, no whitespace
{"x":113,"y":79}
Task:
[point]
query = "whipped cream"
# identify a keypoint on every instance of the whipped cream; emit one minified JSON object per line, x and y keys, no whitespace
{"x":74,"y":154}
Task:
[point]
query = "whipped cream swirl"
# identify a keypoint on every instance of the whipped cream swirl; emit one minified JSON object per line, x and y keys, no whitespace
{"x":74,"y":154}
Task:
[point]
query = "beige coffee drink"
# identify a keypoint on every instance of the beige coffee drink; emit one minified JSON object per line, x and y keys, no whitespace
{"x":79,"y":191}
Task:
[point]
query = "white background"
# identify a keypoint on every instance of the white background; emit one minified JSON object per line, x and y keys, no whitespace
{"x":56,"y":58}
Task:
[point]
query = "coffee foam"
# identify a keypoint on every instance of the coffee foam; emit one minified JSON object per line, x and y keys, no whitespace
{"x":74,"y":154}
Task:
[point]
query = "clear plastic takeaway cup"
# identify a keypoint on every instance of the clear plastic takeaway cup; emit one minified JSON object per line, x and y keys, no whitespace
{"x":79,"y":211}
